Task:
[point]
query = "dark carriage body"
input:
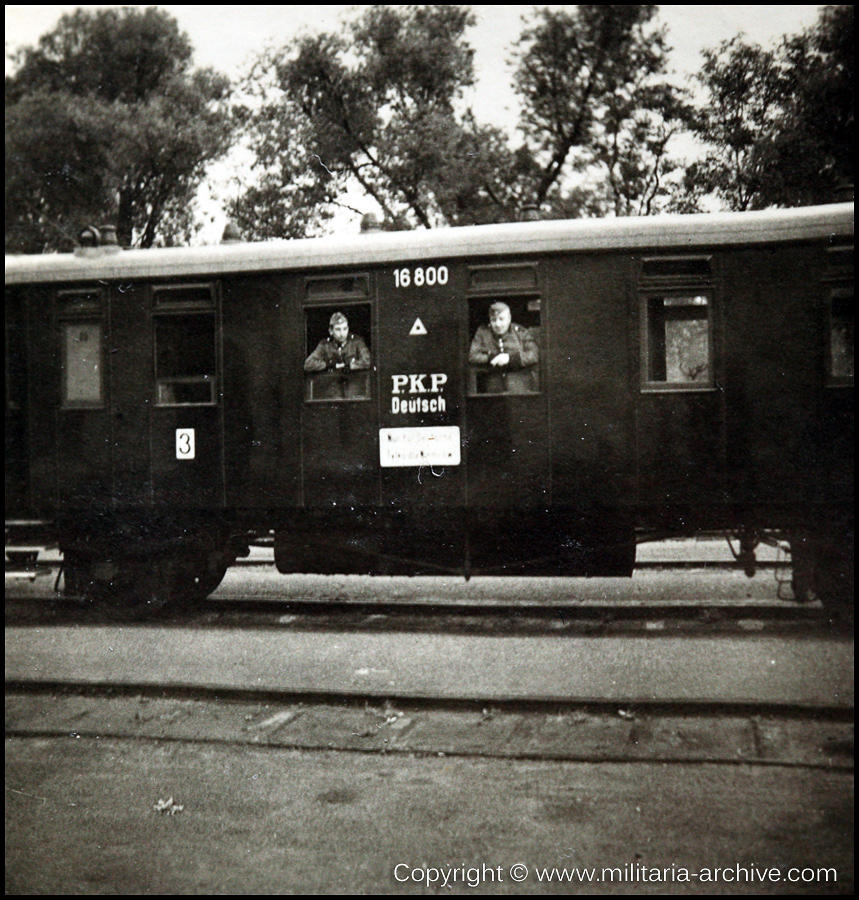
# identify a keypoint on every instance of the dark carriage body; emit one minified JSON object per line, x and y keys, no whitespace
{"x":695,"y":373}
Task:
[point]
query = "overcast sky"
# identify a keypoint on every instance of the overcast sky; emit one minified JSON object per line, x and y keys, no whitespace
{"x":226,"y":37}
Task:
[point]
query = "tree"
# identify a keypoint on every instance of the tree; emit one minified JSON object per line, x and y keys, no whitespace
{"x":381,"y":109}
{"x":638,"y":174}
{"x":377,"y":109}
{"x":105,"y":121}
{"x":778,"y":124}
{"x":595,"y":103}
{"x":819,"y":116}
{"x":745,"y":97}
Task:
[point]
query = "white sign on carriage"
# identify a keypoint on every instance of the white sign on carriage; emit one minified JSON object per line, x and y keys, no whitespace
{"x":428,"y":446}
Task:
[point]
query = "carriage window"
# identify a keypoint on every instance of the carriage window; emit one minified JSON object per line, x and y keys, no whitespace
{"x":81,"y":349}
{"x":677,"y":341}
{"x":504,"y":278}
{"x":183,"y":297}
{"x":339,"y":286}
{"x":504,"y":350}
{"x":185,"y":359}
{"x":338,"y":360}
{"x":841,"y":336}
{"x":16,"y":370}
{"x":185,"y":345}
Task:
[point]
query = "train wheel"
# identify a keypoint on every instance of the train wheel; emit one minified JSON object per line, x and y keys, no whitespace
{"x":141,"y":586}
{"x":192,"y":580}
{"x":835,"y":576}
{"x":803,"y":580}
{"x":823,"y":569}
{"x":133,"y":587}
{"x":121,"y":587}
{"x":74,"y":575}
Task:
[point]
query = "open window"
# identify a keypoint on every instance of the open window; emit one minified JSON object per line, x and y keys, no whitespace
{"x":676,"y":324}
{"x":338,"y":327}
{"x":504,"y":330}
{"x":185,"y":346}
{"x":80,"y":316}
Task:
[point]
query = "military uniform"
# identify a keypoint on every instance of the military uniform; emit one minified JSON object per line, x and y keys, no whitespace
{"x":351,"y":355}
{"x":519,"y":376}
{"x":338,"y":371}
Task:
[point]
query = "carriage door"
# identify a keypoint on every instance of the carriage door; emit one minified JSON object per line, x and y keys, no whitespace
{"x":420,"y":378}
{"x":680,"y":418}
{"x":187,"y":416}
{"x":507,"y":432}
{"x":338,"y":422}
{"x":84,"y":426}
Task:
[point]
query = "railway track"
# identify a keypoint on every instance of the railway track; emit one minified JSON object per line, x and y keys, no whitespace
{"x":460,"y":618}
{"x":762,"y":681}
{"x":686,"y":707}
{"x":311,"y":641}
{"x":733,"y":734}
{"x":255,"y":596}
{"x":686,"y":587}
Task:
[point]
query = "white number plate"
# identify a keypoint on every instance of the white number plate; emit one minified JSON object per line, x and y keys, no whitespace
{"x":185,"y":444}
{"x":432,"y":446}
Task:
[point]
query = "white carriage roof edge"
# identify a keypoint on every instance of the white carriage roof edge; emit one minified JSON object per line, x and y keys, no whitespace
{"x":513,"y":239}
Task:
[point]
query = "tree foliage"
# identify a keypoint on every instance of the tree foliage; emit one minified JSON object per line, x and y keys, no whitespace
{"x":106,"y":122}
{"x":381,"y":108}
{"x":778,"y":124}
{"x":377,"y":108}
{"x":595,"y":101}
{"x":820,"y":67}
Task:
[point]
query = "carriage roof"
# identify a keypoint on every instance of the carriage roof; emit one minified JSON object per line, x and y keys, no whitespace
{"x":652,"y":233}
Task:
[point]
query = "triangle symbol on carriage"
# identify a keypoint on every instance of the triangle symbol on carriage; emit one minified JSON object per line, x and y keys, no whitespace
{"x":418,"y":328}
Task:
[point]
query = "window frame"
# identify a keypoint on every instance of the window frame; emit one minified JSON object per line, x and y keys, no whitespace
{"x":90,"y":312}
{"x":664,"y":284}
{"x":332,"y":303}
{"x":16,"y":353}
{"x":166,"y":307}
{"x":841,"y":291}
{"x":506,"y":288}
{"x":838,"y":284}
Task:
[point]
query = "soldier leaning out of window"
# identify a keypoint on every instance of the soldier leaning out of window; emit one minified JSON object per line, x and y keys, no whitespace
{"x":340,"y":351}
{"x":505,"y":355}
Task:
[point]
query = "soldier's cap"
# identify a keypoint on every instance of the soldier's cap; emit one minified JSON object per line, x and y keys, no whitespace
{"x":338,"y":319}
{"x":498,"y":307}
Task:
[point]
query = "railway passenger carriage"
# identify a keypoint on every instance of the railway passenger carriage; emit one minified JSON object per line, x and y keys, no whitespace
{"x":694,"y":373}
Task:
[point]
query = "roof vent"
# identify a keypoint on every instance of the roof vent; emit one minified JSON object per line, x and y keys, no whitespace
{"x":89,"y":237}
{"x":370,"y":223}
{"x":89,"y":241}
{"x":844,"y":192}
{"x":99,"y":241}
{"x":232,"y":234}
{"x":107,"y":239}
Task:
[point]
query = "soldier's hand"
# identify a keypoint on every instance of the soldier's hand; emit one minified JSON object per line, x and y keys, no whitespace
{"x":502,"y":359}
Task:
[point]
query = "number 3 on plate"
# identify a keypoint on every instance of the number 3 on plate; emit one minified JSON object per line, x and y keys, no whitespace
{"x":185,"y":448}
